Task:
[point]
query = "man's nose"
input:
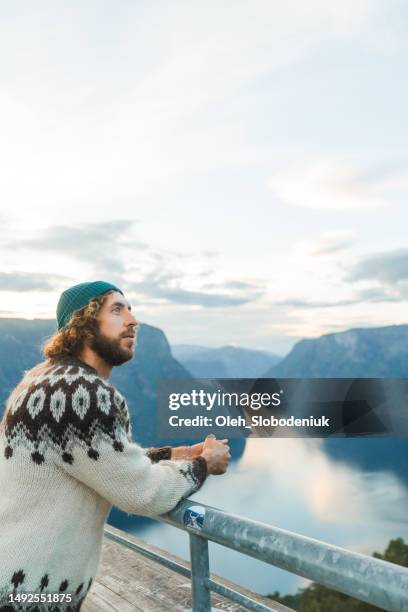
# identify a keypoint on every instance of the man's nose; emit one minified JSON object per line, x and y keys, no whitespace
{"x":132,"y":320}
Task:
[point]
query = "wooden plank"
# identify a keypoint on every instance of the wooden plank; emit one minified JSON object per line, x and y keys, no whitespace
{"x":111,"y":599}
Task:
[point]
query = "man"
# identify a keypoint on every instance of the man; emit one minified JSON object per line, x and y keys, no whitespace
{"x":67,"y":456}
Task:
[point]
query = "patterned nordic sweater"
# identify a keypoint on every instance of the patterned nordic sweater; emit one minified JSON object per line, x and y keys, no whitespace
{"x":67,"y":456}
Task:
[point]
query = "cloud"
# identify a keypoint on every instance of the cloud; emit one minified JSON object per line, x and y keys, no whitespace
{"x":384,"y":278}
{"x":159,"y":286}
{"x":331,"y":185}
{"x":157,"y":274}
{"x":327,"y":243}
{"x":97,"y":244}
{"x":239,"y":285}
{"x":367,"y":295}
{"x":389,"y":267}
{"x":88,"y":239}
{"x":308,"y":304}
{"x":30,"y":281}
{"x":332,"y":242}
{"x":378,"y":294}
{"x":182,"y":296}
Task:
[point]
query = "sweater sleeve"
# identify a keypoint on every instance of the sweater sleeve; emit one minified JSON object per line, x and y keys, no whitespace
{"x":100,"y":453}
{"x":158,"y":454}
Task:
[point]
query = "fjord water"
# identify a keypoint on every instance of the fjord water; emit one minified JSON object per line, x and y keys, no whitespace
{"x":349,"y":492}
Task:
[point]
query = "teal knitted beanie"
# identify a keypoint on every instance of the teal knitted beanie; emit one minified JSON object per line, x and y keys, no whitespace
{"x":77,"y":297}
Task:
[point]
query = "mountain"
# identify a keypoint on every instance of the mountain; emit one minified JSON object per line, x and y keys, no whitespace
{"x":224,"y":362}
{"x":20,"y":349}
{"x":186,"y":351}
{"x":357,"y":353}
{"x":380,"y":352}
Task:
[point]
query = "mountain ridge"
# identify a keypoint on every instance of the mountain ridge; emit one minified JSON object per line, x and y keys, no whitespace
{"x":362,"y":352}
{"x":227,"y":361}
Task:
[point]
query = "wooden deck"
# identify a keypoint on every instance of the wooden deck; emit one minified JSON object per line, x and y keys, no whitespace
{"x":128,"y":581}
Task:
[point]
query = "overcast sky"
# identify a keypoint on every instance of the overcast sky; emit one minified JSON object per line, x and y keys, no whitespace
{"x":240,"y":168}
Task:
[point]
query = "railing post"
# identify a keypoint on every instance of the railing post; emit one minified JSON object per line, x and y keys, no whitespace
{"x":200,"y":573}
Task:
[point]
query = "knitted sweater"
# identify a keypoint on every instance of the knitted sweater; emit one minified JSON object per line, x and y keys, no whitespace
{"x":67,"y":456}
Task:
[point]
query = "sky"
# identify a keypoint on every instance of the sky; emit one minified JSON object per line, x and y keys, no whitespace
{"x":238,"y":168}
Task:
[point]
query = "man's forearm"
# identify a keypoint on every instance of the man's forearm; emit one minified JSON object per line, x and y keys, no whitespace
{"x":181,"y":452}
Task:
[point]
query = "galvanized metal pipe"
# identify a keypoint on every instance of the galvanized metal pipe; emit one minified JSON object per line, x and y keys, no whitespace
{"x":372,"y":580}
{"x":200,"y":573}
{"x":247,"y":602}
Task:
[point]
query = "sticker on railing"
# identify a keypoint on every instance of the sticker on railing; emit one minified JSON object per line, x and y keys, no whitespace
{"x":194,"y":517}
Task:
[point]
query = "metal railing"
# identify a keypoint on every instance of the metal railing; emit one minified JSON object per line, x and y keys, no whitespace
{"x":366,"y":578}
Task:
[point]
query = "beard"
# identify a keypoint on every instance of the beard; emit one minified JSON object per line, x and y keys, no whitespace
{"x":110,"y":349}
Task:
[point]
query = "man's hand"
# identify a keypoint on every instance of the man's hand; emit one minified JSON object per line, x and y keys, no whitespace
{"x":196,"y":450}
{"x":217,"y":454}
{"x":190,"y":452}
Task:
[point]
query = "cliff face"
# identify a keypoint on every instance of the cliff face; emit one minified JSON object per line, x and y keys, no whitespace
{"x":358,"y":353}
{"x":20,"y":349}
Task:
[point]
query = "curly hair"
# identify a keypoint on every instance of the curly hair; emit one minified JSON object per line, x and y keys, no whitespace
{"x":83,"y":326}
{"x":70,"y":340}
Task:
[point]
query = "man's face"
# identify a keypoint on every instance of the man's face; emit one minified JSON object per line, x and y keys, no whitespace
{"x":116,"y":340}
